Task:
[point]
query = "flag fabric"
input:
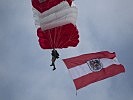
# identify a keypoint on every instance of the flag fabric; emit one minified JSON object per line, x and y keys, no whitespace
{"x":89,"y":68}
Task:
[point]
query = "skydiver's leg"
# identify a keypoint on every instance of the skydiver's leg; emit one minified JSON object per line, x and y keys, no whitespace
{"x":53,"y":63}
{"x":53,"y":60}
{"x":54,"y":67}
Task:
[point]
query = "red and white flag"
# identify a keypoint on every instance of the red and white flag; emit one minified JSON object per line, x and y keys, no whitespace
{"x":89,"y":68}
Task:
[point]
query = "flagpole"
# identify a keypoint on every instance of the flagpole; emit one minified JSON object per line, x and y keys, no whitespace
{"x":76,"y":92}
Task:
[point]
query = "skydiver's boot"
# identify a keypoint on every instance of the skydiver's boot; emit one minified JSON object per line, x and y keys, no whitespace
{"x":54,"y":68}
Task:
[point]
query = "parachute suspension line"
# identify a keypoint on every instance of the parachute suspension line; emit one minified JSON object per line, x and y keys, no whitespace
{"x":59,"y":35}
{"x":50,"y":37}
{"x":55,"y":39}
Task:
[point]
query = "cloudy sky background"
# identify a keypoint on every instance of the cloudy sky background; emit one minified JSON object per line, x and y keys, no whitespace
{"x":25,"y":73}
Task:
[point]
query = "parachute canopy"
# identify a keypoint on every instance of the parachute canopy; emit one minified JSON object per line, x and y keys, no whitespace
{"x":56,"y":23}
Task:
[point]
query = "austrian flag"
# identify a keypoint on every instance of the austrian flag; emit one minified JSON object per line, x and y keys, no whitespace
{"x":89,"y":68}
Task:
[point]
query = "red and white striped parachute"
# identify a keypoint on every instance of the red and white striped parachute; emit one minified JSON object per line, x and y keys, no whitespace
{"x":56,"y":23}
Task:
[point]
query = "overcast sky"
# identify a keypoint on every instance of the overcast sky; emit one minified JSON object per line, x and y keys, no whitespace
{"x":25,"y":73}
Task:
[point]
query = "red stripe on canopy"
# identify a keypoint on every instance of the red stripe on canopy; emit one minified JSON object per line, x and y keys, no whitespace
{"x":59,"y":37}
{"x":41,"y":7}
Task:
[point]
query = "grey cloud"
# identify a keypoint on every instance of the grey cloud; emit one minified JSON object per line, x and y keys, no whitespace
{"x":25,"y":73}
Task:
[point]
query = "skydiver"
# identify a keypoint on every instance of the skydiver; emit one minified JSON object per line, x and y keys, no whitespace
{"x":55,"y":55}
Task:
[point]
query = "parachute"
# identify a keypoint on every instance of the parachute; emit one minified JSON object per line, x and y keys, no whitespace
{"x":56,"y":23}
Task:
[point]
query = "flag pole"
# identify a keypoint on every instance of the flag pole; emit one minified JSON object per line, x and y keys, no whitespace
{"x":76,"y":92}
